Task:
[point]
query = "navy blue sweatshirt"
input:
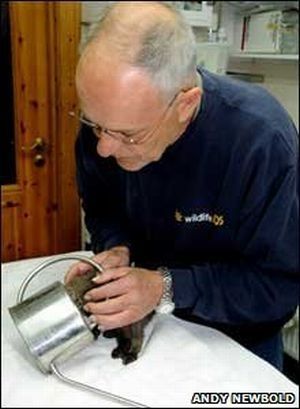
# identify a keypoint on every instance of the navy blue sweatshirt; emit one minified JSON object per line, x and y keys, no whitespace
{"x":219,"y":209}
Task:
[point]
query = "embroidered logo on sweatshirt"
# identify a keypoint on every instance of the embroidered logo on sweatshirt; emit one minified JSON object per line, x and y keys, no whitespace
{"x":216,"y":219}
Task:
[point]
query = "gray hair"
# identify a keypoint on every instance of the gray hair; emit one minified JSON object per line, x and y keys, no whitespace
{"x":164,"y":48}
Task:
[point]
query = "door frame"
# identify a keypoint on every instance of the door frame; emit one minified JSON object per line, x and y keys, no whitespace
{"x":67,"y":34}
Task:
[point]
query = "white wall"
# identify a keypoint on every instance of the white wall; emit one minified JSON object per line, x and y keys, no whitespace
{"x":280,"y":78}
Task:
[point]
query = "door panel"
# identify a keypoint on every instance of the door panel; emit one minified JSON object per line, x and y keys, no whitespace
{"x":35,"y":219}
{"x":33,"y":70}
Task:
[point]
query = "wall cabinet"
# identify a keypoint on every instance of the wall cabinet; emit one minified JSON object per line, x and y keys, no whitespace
{"x":199,"y":16}
{"x":257,"y":30}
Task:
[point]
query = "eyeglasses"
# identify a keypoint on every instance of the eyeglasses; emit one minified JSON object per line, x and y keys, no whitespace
{"x":135,"y":138}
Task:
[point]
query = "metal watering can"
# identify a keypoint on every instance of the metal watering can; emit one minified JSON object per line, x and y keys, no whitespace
{"x":53,"y":328}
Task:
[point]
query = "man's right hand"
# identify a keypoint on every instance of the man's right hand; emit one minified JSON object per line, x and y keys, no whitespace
{"x":115,"y":257}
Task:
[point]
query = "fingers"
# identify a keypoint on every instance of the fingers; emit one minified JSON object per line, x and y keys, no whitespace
{"x":107,"y":259}
{"x":115,"y":257}
{"x":76,"y":269}
{"x":112,"y":313}
{"x":126,"y":294}
{"x":111,"y":299}
{"x":112,"y":321}
{"x":111,"y":274}
{"x":109,"y":306}
{"x":116,"y":283}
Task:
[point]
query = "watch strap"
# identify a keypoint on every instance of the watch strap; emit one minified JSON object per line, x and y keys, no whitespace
{"x":166,"y":304}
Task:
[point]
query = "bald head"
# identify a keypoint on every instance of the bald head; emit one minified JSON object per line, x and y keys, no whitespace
{"x":125,"y":26}
{"x":151,"y":36}
{"x":137,"y":76}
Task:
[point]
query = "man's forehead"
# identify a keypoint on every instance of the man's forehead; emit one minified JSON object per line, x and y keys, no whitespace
{"x":124,"y":89}
{"x":109,"y":71}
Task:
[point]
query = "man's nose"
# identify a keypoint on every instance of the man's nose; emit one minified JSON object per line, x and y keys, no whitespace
{"x":107,"y":146}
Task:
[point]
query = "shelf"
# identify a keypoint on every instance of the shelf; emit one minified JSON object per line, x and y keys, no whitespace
{"x":196,"y":18}
{"x":287,"y":57}
{"x":199,"y":18}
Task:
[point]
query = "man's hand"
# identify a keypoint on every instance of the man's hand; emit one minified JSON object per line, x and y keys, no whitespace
{"x":125,"y":295}
{"x":115,"y":257}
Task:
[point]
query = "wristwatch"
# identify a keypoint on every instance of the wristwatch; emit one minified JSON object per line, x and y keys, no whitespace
{"x":166,"y":304}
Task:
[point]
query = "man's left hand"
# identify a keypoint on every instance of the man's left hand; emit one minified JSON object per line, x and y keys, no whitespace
{"x":125,"y":295}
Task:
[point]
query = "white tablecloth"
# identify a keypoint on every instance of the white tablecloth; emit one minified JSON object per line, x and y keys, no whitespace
{"x":179,"y":360}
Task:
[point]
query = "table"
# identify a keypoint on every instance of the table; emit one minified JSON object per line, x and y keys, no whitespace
{"x":181,"y":365}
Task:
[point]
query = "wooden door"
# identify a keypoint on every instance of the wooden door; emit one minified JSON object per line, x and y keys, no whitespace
{"x":40,"y":205}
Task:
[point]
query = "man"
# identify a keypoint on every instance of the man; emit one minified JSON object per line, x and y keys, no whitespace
{"x":191,"y":176}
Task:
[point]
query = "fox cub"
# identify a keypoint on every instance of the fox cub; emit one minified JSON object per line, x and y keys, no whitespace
{"x":129,"y":338}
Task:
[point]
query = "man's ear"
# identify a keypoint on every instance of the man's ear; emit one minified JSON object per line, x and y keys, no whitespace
{"x":188,"y":101}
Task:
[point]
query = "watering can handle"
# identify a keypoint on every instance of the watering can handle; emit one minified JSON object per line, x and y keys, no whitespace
{"x":47,"y":263}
